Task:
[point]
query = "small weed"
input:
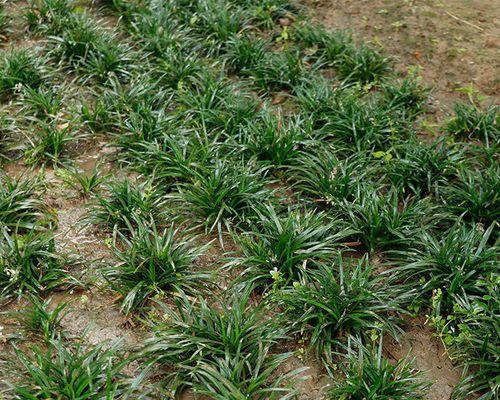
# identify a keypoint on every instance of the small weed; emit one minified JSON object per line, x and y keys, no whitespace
{"x":85,"y":183}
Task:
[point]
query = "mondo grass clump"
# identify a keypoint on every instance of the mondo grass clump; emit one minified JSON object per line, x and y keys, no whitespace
{"x":276,"y":140}
{"x":326,"y":177}
{"x":20,"y":204}
{"x":367,"y":374}
{"x":42,"y":319}
{"x":153,"y":262}
{"x":18,"y":69}
{"x":124,"y":203}
{"x":422,"y":169}
{"x":223,"y":351}
{"x":450,"y":265}
{"x":471,"y":122}
{"x":473,"y":339}
{"x":342,"y":298}
{"x":48,"y":141}
{"x":281,"y":247}
{"x":71,"y":370}
{"x":387,"y":220}
{"x":30,"y":263}
{"x":224,"y":194}
{"x":475,"y":195}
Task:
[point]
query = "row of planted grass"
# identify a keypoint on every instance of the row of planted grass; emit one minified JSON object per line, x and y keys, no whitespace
{"x":185,"y":92}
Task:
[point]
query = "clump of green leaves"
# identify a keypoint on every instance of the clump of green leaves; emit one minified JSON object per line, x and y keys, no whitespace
{"x":152,"y":262}
{"x":224,"y":194}
{"x":72,"y":371}
{"x":19,"y":68}
{"x":368,"y":374}
{"x":20,"y":205}
{"x":221,"y":351}
{"x":285,"y":247}
{"x":475,"y":195}
{"x":341,"y":299}
{"x":275,"y":139}
{"x":30,"y":263}
{"x":43,"y":319}
{"x":49,"y":141}
{"x":124,"y":203}
{"x":327,"y":177}
{"x":452,"y":263}
{"x":386,"y":220}
{"x":471,"y":122}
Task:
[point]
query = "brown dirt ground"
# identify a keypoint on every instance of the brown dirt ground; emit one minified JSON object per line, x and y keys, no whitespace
{"x":455,"y":42}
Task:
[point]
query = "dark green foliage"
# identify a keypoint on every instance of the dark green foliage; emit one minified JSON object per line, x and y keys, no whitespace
{"x":43,"y":103}
{"x":216,"y":22}
{"x":473,"y":123}
{"x":152,"y":262}
{"x":18,"y":69}
{"x":221,"y":350}
{"x":475,"y":195}
{"x":386,"y":220}
{"x":338,"y":300}
{"x":71,"y":372}
{"x":93,"y":52}
{"x":364,"y":124}
{"x":326,"y":177}
{"x":223,"y":194}
{"x":20,"y":204}
{"x":408,"y":96}
{"x":362,"y":64}
{"x":423,"y":169}
{"x":279,"y":71}
{"x":275,"y":139}
{"x":367,"y":374}
{"x":49,"y":140}
{"x":42,"y":319}
{"x":30,"y":263}
{"x":245,"y":53}
{"x":474,"y":338}
{"x":48,"y":16}
{"x":329,"y":45}
{"x":287,"y":247}
{"x":126,"y":202}
{"x":452,"y":263}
